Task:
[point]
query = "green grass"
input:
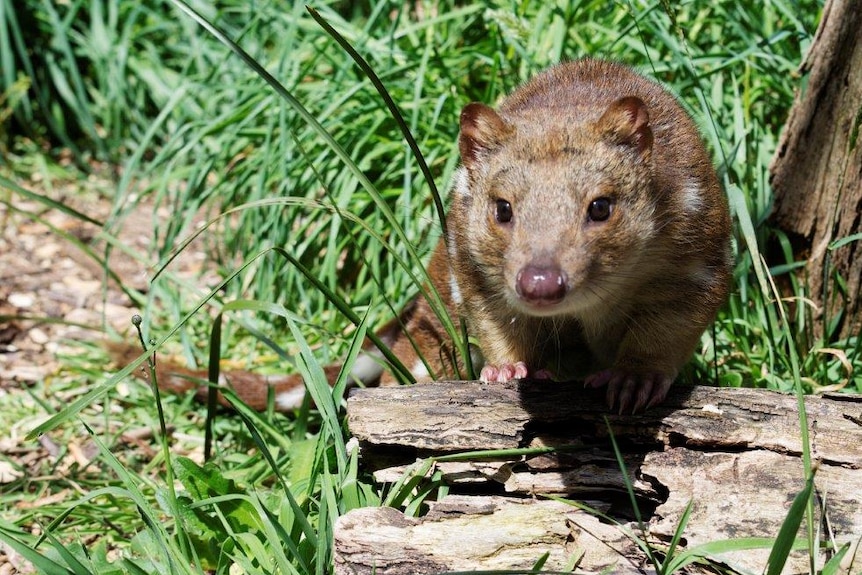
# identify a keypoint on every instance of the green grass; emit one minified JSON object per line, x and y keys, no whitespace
{"x":320,"y":177}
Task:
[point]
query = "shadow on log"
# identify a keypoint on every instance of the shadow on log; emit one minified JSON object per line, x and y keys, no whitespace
{"x":734,"y":453}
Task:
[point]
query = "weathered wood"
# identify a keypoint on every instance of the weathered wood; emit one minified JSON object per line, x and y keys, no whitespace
{"x":816,"y":173}
{"x":746,"y":494}
{"x":461,"y":416}
{"x":428,"y":417}
{"x":735,"y":453}
{"x":469,"y":533}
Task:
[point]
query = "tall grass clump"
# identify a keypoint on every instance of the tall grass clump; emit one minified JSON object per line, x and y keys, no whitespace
{"x":732,"y":67}
{"x":319,"y":215}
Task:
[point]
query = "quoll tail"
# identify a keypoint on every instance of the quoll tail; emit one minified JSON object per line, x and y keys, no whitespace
{"x":252,"y":388}
{"x":289,"y":390}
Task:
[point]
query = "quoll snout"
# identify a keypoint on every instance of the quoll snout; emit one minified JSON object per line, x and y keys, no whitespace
{"x":541,"y":284}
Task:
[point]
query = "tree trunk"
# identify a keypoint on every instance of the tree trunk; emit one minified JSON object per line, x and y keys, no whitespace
{"x":816,"y":173}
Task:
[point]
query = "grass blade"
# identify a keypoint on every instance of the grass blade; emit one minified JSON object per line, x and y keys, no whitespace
{"x":786,"y":538}
{"x":393,"y":110}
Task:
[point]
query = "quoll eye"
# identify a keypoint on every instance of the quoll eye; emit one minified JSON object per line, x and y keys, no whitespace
{"x":503,"y":211}
{"x":600,"y":209}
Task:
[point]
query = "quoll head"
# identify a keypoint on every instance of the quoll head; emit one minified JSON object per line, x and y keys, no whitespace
{"x":556,"y":206}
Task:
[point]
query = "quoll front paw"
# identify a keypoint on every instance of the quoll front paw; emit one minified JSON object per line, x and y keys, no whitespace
{"x":632,"y":392}
{"x":503,"y":372}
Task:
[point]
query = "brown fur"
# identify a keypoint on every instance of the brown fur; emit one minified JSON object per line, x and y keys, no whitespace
{"x":640,"y":287}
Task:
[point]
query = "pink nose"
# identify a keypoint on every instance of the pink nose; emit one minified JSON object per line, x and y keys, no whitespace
{"x":541,"y":285}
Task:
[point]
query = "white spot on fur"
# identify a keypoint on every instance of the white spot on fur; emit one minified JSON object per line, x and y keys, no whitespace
{"x":290,"y":399}
{"x":692,"y":197}
{"x":455,"y":289}
{"x":460,"y":182}
{"x":460,"y":188}
{"x":419,"y":370}
{"x":367,"y":368}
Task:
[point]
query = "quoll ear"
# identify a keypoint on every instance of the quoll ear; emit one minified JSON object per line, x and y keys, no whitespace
{"x":482,"y":130}
{"x":626,"y":122}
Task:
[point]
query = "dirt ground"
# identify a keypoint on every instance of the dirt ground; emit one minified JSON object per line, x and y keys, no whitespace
{"x":53,"y":294}
{"x":45,"y":276}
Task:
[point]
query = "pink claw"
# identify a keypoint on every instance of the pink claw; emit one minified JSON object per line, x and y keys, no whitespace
{"x":503,"y":372}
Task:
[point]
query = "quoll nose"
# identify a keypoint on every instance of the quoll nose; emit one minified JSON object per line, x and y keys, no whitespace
{"x":541,"y":285}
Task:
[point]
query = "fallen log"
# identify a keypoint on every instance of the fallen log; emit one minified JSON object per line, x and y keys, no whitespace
{"x":735,"y":454}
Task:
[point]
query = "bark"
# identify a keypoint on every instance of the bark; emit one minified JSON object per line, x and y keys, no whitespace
{"x":734,"y":453}
{"x":816,"y":173}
